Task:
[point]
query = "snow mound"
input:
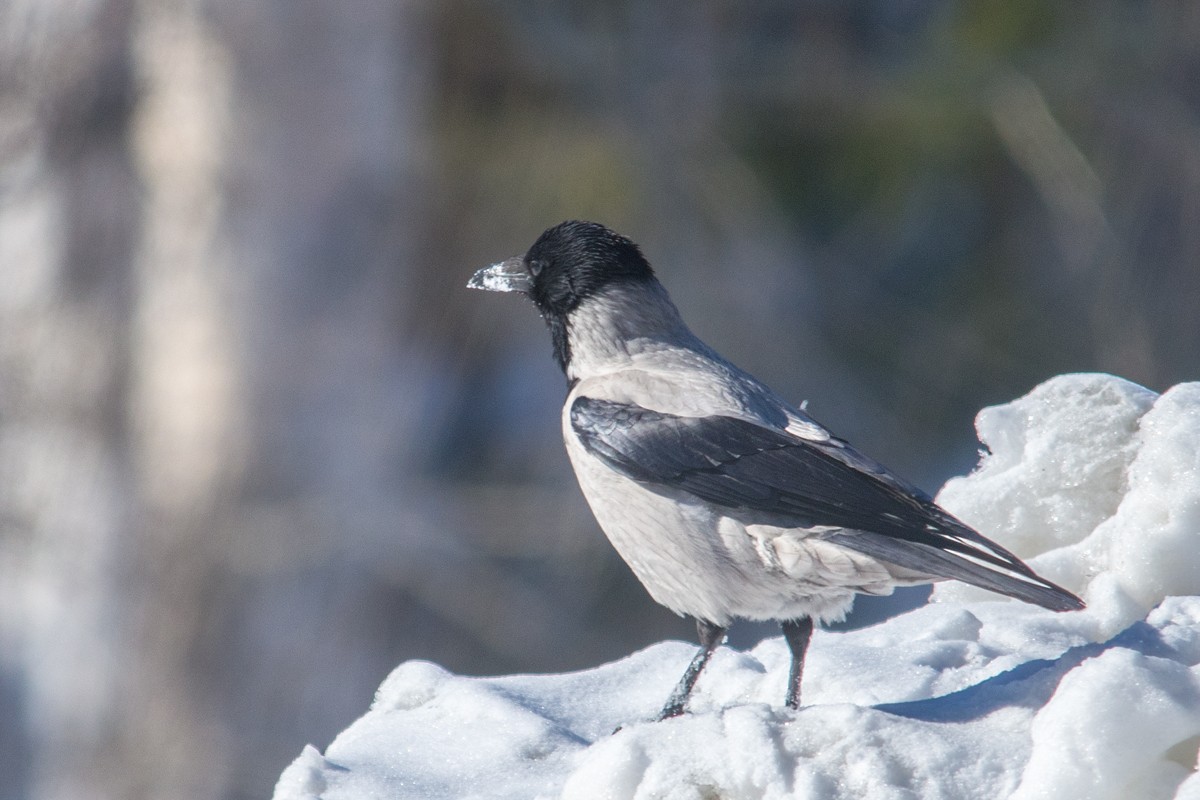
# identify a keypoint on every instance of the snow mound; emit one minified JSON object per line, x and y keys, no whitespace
{"x":1094,"y":479}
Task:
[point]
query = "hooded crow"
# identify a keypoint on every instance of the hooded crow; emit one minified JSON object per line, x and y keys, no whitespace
{"x":725,"y":500}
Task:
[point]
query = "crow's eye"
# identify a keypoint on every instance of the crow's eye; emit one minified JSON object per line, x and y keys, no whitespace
{"x":535,"y":267}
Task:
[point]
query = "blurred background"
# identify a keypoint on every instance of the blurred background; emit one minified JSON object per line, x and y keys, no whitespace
{"x":258,"y":444}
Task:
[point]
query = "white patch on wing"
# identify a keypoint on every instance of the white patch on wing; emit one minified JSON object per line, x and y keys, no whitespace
{"x":807,"y":429}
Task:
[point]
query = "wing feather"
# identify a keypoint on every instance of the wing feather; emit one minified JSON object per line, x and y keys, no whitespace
{"x":744,"y":466}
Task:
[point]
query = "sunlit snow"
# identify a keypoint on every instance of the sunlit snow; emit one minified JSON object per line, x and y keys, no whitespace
{"x":1094,"y":480}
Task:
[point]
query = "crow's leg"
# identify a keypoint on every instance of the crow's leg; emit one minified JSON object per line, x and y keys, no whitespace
{"x":710,"y":636}
{"x":797,"y":632}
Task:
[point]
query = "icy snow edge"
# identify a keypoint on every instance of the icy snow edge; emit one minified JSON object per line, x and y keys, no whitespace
{"x":1094,"y":480}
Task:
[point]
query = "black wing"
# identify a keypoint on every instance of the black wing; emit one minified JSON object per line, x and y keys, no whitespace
{"x":744,"y":466}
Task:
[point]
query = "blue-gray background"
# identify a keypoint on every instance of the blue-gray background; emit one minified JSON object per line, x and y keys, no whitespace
{"x":258,"y":444}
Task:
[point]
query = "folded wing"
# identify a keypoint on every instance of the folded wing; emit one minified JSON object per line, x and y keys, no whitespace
{"x":740,"y":465}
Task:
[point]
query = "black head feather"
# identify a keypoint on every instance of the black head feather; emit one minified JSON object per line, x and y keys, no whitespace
{"x":574,"y":261}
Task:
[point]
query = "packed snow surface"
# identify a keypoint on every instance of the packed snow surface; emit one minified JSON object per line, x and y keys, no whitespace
{"x":1094,"y":480}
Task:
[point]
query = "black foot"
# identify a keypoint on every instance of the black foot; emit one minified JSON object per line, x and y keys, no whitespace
{"x":710,"y":636}
{"x":797,"y":632}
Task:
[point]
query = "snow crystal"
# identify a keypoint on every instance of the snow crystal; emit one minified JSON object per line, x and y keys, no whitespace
{"x":1093,"y":479}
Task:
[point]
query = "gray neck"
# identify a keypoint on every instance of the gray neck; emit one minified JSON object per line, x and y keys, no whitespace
{"x":606,"y":330}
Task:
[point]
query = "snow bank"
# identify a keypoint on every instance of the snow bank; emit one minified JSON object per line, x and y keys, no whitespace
{"x":1094,"y":479}
{"x":1096,"y":482}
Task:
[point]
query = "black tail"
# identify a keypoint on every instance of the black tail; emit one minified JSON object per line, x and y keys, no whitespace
{"x":1003,"y":573}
